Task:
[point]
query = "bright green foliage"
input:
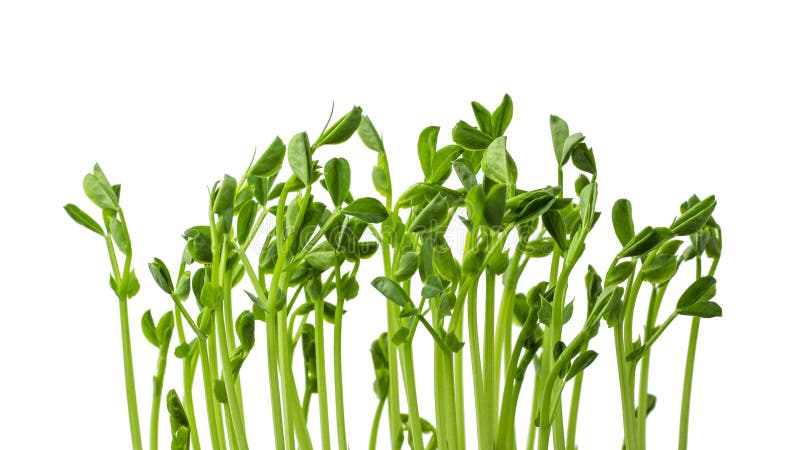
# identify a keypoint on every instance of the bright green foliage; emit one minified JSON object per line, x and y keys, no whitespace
{"x":454,"y":254}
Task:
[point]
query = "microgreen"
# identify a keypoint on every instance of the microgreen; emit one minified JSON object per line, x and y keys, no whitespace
{"x":477,"y":295}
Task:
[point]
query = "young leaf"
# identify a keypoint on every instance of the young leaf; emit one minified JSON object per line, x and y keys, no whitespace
{"x":164,"y":328}
{"x":133,"y":285}
{"x":82,"y":218}
{"x":619,"y":273}
{"x":182,"y":286}
{"x":470,"y":137}
{"x":120,"y":235}
{"x":161,"y":275}
{"x":300,"y":157}
{"x":442,"y":164}
{"x":580,"y":363}
{"x":426,"y":147}
{"x":583,"y":158}
{"x":483,"y":116}
{"x":245,"y":329}
{"x":554,"y":224}
{"x":270,"y":161}
{"x":342,"y":129}
{"x":100,"y":193}
{"x":495,"y":205}
{"x":369,"y":135}
{"x":367,"y":209}
{"x":701,"y":290}
{"x":622,"y":219}
{"x":694,"y":218}
{"x":391,"y":290}
{"x":570,"y":143}
{"x":406,"y":267}
{"x":588,"y":198}
{"x":704,"y":310}
{"x":245,"y":220}
{"x":337,"y":180}
{"x":495,"y":163}
{"x":431,"y":216}
{"x":559,"y":132}
{"x":538,"y":248}
{"x":465,"y":174}
{"x":149,"y":328}
{"x":224,"y":199}
{"x":660,"y":269}
{"x":645,"y":241}
{"x":501,"y":116}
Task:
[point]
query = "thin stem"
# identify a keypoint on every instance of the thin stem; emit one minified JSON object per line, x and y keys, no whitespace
{"x":683,"y":431}
{"x":158,"y":383}
{"x":489,"y":410}
{"x":376,"y":423}
{"x":285,"y":366}
{"x":214,"y":429}
{"x":337,"y":362}
{"x":322,"y":390}
{"x":130,"y":384}
{"x":537,"y":387}
{"x":477,"y":375}
{"x":189,"y":367}
{"x":572,"y":423}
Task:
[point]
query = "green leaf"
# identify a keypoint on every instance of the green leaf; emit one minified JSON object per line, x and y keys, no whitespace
{"x":82,"y":218}
{"x":133,"y":284}
{"x":570,"y":143}
{"x":161,"y":275}
{"x":495,"y":162}
{"x":554,"y":224}
{"x":559,"y":132}
{"x":164,"y":329}
{"x":588,"y":199}
{"x":245,"y":329}
{"x":694,"y":218}
{"x":431,"y":216}
{"x":538,"y":248}
{"x":198,"y":242}
{"x":245,"y":221}
{"x":182,"y":287}
{"x":369,"y":135}
{"x":300,"y":157}
{"x":501,"y":116}
{"x":367,"y":209}
{"x":149,"y":328}
{"x":619,"y":273}
{"x":401,"y":336}
{"x":270,"y":161}
{"x":483,"y":116}
{"x":701,"y":290}
{"x":580,"y":183}
{"x":660,"y":269}
{"x":175,"y":409}
{"x":220,"y":394}
{"x":224,"y":198}
{"x":442,"y":164}
{"x":651,"y":405}
{"x":406,"y":267}
{"x":120,"y":235}
{"x":465,"y":174}
{"x":704,"y":310}
{"x":495,"y":206}
{"x":321,"y":260}
{"x":341,"y":130}
{"x":432,"y":287}
{"x":337,"y":180}
{"x":622,"y":218}
{"x":583,"y":159}
{"x":426,"y":147}
{"x":380,"y":180}
{"x":470,"y":137}
{"x":100,"y":192}
{"x":580,"y":363}
{"x":645,"y":241}
{"x":452,"y":342}
{"x":391,"y":291}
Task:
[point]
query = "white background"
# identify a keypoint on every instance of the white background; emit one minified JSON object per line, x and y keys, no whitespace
{"x":675,"y":99}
